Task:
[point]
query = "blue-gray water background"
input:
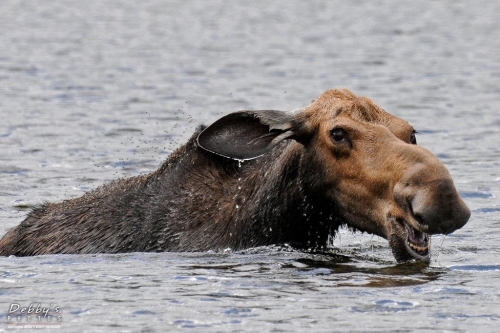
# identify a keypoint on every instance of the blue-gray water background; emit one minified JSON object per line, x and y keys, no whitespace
{"x":95,"y":90}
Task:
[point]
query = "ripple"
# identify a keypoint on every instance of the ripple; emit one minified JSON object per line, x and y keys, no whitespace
{"x":486,"y":210}
{"x":477,"y":194}
{"x":479,"y":268}
{"x":386,"y":305}
{"x":13,"y":170}
{"x":143,"y":312}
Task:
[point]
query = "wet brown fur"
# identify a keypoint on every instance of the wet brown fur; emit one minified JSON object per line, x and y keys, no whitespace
{"x":298,"y":193}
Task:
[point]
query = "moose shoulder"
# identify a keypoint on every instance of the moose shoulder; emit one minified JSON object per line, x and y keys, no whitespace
{"x":256,"y":178}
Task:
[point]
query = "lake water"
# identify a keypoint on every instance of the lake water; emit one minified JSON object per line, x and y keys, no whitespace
{"x":96,"y":90}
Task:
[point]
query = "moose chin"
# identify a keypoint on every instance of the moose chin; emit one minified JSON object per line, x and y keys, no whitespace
{"x":255,"y":178}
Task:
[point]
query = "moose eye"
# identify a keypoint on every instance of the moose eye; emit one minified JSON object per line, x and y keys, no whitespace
{"x":413,"y":139}
{"x":338,"y":135}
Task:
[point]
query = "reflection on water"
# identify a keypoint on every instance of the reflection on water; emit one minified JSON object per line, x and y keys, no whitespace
{"x":343,"y":270}
{"x":396,"y":275}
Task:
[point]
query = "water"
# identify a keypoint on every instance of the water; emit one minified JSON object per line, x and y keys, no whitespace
{"x":93,"y":90}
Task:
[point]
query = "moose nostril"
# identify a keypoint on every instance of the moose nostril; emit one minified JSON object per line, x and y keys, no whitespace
{"x":440,"y":211}
{"x":419,"y":218}
{"x":429,"y":214}
{"x":432,"y":206}
{"x":417,"y":212}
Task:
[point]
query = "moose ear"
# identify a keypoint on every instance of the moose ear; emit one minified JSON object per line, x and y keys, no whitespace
{"x":245,"y":135}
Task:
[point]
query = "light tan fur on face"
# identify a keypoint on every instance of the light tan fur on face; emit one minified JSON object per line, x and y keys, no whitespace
{"x":336,"y":102}
{"x":365,"y":172}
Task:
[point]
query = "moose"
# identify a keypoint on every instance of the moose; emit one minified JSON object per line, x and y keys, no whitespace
{"x":255,"y":178}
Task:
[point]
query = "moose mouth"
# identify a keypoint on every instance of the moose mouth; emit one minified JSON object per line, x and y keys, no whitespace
{"x":417,"y":242}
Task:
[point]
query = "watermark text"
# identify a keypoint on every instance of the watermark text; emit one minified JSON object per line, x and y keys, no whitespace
{"x":34,"y":315}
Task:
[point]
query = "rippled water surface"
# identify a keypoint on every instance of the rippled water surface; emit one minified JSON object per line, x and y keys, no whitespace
{"x":95,"y":90}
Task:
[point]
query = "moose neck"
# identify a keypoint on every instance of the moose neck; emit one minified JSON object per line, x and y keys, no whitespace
{"x":242,"y":204}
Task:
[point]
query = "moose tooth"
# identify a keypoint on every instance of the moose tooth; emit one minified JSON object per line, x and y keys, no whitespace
{"x":418,"y":248}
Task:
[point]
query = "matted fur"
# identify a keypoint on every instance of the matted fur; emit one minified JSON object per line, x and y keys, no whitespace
{"x":305,"y":186}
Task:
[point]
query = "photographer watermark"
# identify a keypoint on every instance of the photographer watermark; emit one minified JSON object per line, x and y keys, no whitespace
{"x":34,"y":316}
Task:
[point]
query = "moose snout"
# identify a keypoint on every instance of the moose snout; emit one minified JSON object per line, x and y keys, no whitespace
{"x":439,"y":207}
{"x":431,"y":201}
